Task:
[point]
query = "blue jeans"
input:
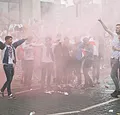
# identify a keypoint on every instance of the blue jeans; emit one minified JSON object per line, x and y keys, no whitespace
{"x":9,"y":72}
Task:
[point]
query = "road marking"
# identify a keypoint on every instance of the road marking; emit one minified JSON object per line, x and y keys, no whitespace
{"x":73,"y":112}
{"x":86,"y":109}
{"x":25,"y":91}
{"x":65,"y":113}
{"x":101,"y":104}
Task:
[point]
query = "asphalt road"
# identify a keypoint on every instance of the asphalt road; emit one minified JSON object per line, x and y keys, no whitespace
{"x":92,"y":101}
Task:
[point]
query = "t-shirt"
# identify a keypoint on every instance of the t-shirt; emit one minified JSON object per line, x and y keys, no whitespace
{"x":115,"y":43}
{"x":28,"y":52}
{"x":10,"y":51}
{"x":11,"y":55}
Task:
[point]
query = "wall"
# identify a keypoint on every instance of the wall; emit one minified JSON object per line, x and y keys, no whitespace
{"x":30,"y":9}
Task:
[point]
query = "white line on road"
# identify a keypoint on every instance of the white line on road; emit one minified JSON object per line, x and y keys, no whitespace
{"x":26,"y":91}
{"x":86,"y":109}
{"x":65,"y":113}
{"x":101,"y":104}
{"x":73,"y":112}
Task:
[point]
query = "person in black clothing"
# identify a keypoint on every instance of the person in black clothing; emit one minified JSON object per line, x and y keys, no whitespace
{"x":8,"y":60}
{"x":58,"y":55}
{"x":66,"y":60}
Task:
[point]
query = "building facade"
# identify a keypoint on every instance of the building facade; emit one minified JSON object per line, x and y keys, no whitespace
{"x":17,"y":11}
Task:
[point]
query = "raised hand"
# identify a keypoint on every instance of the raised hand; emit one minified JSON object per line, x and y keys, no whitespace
{"x":99,"y":20}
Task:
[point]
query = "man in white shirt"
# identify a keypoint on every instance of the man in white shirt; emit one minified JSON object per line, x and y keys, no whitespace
{"x":115,"y":57}
{"x":8,"y":60}
{"x":28,"y":62}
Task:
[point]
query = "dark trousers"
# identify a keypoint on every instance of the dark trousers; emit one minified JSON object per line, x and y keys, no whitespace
{"x":78,"y":65}
{"x":96,"y":68}
{"x":59,"y":72}
{"x":75,"y":66}
{"x":46,"y":71}
{"x":28,"y":72}
{"x":115,"y":66}
{"x":86,"y":68}
{"x":66,"y":71}
{"x":9,"y":71}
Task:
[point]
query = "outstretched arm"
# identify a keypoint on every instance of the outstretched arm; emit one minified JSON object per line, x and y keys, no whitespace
{"x":19,"y":42}
{"x":105,"y":27}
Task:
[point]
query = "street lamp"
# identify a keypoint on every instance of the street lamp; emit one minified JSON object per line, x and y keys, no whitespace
{"x":77,"y":2}
{"x":20,"y":11}
{"x":8,"y":17}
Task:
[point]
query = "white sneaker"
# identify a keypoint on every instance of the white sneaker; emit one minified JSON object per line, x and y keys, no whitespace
{"x":11,"y":96}
{"x":2,"y":94}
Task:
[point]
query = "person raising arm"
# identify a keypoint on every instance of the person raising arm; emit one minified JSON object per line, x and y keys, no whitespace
{"x":105,"y":27}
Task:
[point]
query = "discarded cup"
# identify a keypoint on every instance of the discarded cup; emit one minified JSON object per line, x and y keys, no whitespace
{"x":111,"y":111}
{"x":48,"y":92}
{"x":65,"y":93}
{"x":32,"y":113}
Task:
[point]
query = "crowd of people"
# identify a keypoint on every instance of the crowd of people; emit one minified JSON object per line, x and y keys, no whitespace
{"x":59,"y":63}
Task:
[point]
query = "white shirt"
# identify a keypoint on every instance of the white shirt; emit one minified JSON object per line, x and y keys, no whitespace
{"x":10,"y":58}
{"x":28,"y":52}
{"x":115,"y":43}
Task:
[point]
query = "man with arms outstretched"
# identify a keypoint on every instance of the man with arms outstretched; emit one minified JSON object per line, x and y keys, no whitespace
{"x":8,"y":60}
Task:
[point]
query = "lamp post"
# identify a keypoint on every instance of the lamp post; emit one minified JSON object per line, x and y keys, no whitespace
{"x":77,"y":2}
{"x":20,"y":11}
{"x":8,"y":17}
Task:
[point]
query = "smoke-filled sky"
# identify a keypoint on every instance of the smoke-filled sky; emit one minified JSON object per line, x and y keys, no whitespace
{"x":97,"y":1}
{"x":70,"y":2}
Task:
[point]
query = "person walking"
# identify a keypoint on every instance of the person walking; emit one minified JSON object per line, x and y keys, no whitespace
{"x":8,"y":60}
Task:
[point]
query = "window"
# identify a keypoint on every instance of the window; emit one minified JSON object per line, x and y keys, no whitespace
{"x":46,"y":7}
{"x":9,"y":11}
